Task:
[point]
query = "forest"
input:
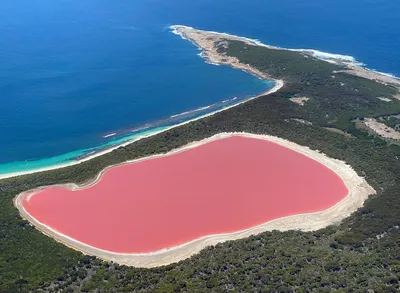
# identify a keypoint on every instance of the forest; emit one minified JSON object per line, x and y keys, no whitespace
{"x":361,"y":254}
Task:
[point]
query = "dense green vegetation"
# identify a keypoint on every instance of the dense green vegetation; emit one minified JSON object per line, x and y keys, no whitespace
{"x":359,"y":254}
{"x":336,"y":97}
{"x":392,"y":121}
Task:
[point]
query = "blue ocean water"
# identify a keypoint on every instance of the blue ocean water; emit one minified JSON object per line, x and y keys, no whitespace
{"x":73,"y":72}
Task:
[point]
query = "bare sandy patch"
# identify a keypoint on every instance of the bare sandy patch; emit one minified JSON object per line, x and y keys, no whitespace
{"x":336,"y":130}
{"x":300,"y":100}
{"x":302,"y":121}
{"x":369,"y":74}
{"x":359,"y":190}
{"x":384,"y":99}
{"x":381,"y":129}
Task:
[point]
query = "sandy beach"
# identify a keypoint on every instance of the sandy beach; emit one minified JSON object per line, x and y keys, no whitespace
{"x":233,"y":63}
{"x":205,"y":41}
{"x":359,"y":190}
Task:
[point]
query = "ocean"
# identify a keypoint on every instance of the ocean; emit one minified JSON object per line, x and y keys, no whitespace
{"x":78,"y":76}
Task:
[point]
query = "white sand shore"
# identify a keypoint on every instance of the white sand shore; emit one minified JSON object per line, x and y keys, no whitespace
{"x":359,"y":190}
{"x":278,"y":85}
{"x":205,"y":40}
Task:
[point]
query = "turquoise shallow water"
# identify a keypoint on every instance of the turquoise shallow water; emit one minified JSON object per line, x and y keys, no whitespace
{"x":74,"y":72}
{"x":15,"y":167}
{"x":121,"y":137}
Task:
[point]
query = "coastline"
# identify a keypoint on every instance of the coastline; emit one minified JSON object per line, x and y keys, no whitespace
{"x":278,"y":85}
{"x":210,"y":58}
{"x":200,"y":38}
{"x":358,"y":192}
{"x":204,"y":40}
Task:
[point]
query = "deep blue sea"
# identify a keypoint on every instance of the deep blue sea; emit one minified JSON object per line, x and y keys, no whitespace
{"x":74,"y":72}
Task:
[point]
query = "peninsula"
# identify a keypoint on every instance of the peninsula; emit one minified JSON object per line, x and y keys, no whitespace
{"x":315,"y":111}
{"x":213,"y":44}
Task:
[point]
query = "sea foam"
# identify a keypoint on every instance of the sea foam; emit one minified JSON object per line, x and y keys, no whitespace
{"x":330,"y":56}
{"x":109,"y":135}
{"x":191,"y":111}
